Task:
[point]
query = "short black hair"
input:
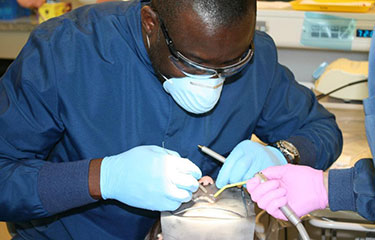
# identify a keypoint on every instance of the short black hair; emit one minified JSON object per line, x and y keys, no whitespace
{"x":216,"y":13}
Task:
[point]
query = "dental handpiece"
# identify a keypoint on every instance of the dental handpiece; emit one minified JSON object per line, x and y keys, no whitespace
{"x":212,"y":153}
{"x":288,"y":212}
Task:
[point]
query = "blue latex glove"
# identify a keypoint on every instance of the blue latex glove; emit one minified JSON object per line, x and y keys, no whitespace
{"x":245,"y":160}
{"x":149,"y":177}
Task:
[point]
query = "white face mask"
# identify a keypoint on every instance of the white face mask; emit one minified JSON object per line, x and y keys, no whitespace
{"x":195,"y":95}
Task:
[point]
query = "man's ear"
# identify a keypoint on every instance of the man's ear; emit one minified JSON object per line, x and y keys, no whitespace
{"x":149,"y":20}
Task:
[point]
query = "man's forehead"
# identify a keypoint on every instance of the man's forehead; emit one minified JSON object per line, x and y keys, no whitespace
{"x":213,"y":13}
{"x":190,"y":24}
{"x":218,"y":45}
{"x":192,"y":21}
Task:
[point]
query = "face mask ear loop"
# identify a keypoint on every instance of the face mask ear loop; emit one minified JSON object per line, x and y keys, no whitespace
{"x":148,"y":41}
{"x":219,"y":75}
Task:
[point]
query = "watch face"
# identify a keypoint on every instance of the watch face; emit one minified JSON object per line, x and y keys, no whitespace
{"x":289,"y":147}
{"x":289,"y":151}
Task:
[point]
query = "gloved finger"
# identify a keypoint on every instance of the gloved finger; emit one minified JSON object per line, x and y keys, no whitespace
{"x":254,"y":169}
{"x":240,"y":168}
{"x":275,"y":172}
{"x":225,"y":171}
{"x":279,"y":215}
{"x":274,"y":208}
{"x":268,"y":200}
{"x":252,"y":184}
{"x":177,"y":194}
{"x":188,"y":167}
{"x":186,"y":182}
{"x":263,"y":189}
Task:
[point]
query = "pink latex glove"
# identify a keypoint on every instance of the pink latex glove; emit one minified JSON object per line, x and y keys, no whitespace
{"x":301,"y":187}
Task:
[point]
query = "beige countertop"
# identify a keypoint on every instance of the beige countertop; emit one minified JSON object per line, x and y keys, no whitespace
{"x":19,"y":24}
{"x":351,"y":121}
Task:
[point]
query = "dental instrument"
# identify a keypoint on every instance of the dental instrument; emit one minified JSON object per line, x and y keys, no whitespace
{"x":202,"y":188}
{"x":239,"y":184}
{"x":286,"y":210}
{"x":212,"y":153}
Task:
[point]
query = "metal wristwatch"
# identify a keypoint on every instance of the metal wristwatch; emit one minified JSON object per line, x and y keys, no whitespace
{"x":289,"y":151}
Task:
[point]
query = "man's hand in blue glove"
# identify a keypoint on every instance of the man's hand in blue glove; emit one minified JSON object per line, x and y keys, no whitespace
{"x":149,"y":177}
{"x":246,"y":159}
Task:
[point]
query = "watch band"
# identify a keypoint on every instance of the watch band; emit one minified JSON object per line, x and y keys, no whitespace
{"x":289,"y":151}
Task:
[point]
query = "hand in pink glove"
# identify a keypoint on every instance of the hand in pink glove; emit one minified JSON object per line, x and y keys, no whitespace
{"x":301,"y":187}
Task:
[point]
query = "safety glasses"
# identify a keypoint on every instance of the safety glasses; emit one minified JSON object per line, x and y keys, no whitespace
{"x":193,"y":69}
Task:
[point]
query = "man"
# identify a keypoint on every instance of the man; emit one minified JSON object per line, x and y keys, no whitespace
{"x":102,"y":112}
{"x":350,"y":189}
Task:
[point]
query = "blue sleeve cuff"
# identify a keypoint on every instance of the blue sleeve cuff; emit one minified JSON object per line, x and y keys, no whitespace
{"x":340,"y":189}
{"x":306,"y":150}
{"x":63,"y":186}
